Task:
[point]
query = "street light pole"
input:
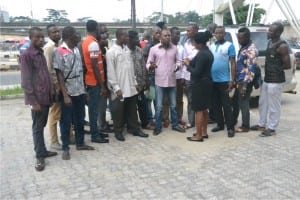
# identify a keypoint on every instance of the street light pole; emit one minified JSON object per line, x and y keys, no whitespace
{"x":133,"y":15}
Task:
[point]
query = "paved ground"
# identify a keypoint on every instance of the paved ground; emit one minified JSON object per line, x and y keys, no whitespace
{"x":160,"y":167}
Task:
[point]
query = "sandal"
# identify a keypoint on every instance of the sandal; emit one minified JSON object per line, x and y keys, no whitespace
{"x":193,"y":139}
{"x":85,"y":147}
{"x":241,"y":130}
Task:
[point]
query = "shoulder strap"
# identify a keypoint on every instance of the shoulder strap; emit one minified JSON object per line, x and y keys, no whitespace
{"x":61,"y":50}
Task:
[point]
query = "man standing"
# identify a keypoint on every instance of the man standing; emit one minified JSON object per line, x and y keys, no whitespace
{"x":123,"y":86}
{"x":94,"y":78}
{"x":55,"y":110}
{"x":155,"y":37}
{"x":37,"y":88}
{"x":223,"y":76}
{"x":103,"y":44}
{"x":189,"y":53}
{"x":246,"y":66}
{"x":68,"y":66}
{"x":175,"y":36}
{"x":277,"y":60}
{"x":141,"y":77}
{"x":163,"y":60}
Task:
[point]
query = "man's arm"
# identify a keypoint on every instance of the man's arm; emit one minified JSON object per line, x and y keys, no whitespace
{"x":283,"y":50}
{"x":27,"y":78}
{"x":112,"y":79}
{"x":94,"y":50}
{"x":58,"y":66}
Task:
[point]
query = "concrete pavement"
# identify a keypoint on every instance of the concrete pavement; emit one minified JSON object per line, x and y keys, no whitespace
{"x":159,"y":167}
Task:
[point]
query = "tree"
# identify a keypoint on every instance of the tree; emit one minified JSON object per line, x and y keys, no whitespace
{"x":241,"y":15}
{"x":178,"y":18}
{"x":83,"y":19}
{"x":57,"y":16}
{"x":22,"y":19}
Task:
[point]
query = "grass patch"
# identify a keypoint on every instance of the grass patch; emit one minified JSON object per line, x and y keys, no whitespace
{"x":11,"y":91}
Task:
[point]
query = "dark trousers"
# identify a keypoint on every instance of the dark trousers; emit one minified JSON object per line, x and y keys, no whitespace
{"x":125,"y":112}
{"x":242,"y":103}
{"x":179,"y":98}
{"x":142,"y":108}
{"x":39,"y":121}
{"x":72,"y":114}
{"x":94,"y":105}
{"x":222,"y":105}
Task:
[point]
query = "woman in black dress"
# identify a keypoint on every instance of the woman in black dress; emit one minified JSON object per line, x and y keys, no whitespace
{"x":201,"y":84}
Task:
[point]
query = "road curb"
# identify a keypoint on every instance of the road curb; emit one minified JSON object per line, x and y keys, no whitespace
{"x":15,"y":96}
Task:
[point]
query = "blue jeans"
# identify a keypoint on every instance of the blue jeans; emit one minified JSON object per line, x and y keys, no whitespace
{"x":72,"y":114}
{"x":159,"y":94}
{"x":94,"y":105}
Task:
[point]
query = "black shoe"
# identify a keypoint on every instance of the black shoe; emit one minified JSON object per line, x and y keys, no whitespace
{"x":104,"y":135}
{"x":217,"y":128}
{"x":40,"y":164}
{"x":156,"y":131}
{"x":107,"y":129}
{"x":119,"y":136}
{"x":100,"y":140}
{"x":50,"y":154}
{"x":179,"y":129}
{"x":230,"y":133}
{"x":268,"y":132}
{"x":140,"y":133}
{"x":66,"y":155}
{"x":203,"y":136}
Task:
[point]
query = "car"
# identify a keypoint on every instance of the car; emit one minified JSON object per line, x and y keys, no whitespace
{"x":295,"y":47}
{"x":259,"y":37}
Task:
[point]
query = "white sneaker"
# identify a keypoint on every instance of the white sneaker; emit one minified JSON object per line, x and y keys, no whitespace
{"x":55,"y":146}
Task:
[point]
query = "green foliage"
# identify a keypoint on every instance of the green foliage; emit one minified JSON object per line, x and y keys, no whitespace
{"x":12,"y":91}
{"x":178,"y":18}
{"x":83,"y":19}
{"x":57,"y":16}
{"x":241,"y":15}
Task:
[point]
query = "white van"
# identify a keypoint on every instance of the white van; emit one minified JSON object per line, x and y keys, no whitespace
{"x":259,"y":38}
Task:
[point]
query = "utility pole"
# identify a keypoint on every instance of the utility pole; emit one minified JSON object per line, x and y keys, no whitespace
{"x":133,"y":15}
{"x":162,"y":11}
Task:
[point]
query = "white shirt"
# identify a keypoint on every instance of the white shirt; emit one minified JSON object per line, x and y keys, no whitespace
{"x":120,"y":71}
{"x":189,"y":52}
{"x":179,"y":74}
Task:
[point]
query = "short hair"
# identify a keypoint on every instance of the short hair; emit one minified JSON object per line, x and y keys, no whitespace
{"x":49,"y":26}
{"x":194,"y":25}
{"x":174,"y":29}
{"x":34,"y":29}
{"x":91,"y":26}
{"x":132,"y":34}
{"x":211,"y":27}
{"x":202,"y":37}
{"x":68,"y":32}
{"x":279,"y":26}
{"x":119,"y":32}
{"x":245,"y":31}
{"x":161,"y":25}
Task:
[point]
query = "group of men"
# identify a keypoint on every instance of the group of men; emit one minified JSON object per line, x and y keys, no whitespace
{"x":68,"y":73}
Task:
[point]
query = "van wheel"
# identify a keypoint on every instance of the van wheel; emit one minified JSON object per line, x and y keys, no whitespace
{"x":254,"y":102}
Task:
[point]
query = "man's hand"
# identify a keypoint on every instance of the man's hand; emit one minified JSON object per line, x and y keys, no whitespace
{"x":138,"y":88}
{"x":119,"y":94}
{"x":186,"y":62}
{"x":103,"y":91}
{"x":36,"y":107}
{"x":230,"y":86}
{"x":152,"y":66}
{"x":67,"y":100}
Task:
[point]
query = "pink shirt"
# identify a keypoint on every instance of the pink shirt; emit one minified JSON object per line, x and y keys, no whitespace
{"x":166,"y":61}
